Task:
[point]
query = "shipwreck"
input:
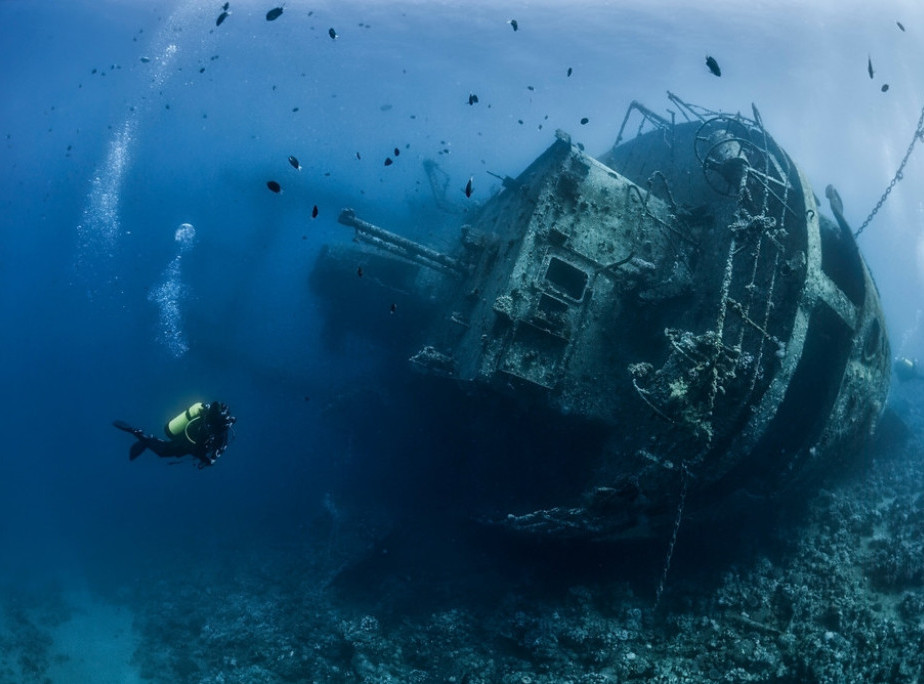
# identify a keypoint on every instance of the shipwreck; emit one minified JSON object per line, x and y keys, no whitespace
{"x":683,"y":293}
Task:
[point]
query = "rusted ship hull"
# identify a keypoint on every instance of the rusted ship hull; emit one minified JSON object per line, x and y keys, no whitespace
{"x":683,"y":293}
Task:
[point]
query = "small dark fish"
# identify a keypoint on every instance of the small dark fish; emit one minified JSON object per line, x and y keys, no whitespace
{"x":513,"y":24}
{"x":468,"y":187}
{"x":359,"y":271}
{"x":201,"y":70}
{"x":221,"y":18}
{"x":274,"y":14}
{"x":885,"y":87}
{"x":713,"y":66}
{"x":570,"y":71}
{"x":899,"y":24}
{"x":294,"y":162}
{"x":388,"y":161}
{"x":145,"y":60}
{"x":226,"y":6}
{"x":314,"y":211}
{"x":397,"y":152}
{"x":358,"y":156}
{"x":869,"y":66}
{"x":332,"y":33}
{"x":472,"y":98}
{"x":274,"y":186}
{"x":394,"y":307}
{"x":584,"y":121}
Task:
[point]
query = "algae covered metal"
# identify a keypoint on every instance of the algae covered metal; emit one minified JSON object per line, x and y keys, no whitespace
{"x":684,"y":293}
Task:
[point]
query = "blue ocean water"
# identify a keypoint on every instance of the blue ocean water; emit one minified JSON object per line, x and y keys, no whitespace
{"x":145,"y":265}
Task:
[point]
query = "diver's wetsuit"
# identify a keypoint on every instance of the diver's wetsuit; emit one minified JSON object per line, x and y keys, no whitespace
{"x":205,"y":438}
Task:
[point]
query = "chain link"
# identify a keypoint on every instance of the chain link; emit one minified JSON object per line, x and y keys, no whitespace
{"x":684,"y":475}
{"x":684,"y":472}
{"x":918,"y":135}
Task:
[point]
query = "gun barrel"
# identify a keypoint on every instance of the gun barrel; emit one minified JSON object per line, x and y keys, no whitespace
{"x":390,"y":242}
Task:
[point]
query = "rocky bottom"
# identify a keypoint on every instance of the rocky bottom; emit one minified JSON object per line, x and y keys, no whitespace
{"x":834,"y":593}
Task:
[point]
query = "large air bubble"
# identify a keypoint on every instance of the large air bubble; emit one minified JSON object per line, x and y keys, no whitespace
{"x":185,"y":236}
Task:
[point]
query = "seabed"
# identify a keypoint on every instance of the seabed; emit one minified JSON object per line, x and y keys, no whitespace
{"x":831,"y":593}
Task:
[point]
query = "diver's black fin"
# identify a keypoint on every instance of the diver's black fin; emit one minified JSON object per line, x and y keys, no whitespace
{"x":136,"y":450}
{"x":122,"y":425}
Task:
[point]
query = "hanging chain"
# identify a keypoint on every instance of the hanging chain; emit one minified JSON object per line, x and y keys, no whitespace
{"x":918,"y":135}
{"x":684,"y":475}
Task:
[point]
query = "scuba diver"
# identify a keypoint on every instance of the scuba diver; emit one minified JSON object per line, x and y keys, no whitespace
{"x":202,"y":430}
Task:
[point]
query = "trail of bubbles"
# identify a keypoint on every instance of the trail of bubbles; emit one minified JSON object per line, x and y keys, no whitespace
{"x":100,"y":229}
{"x":170,"y":294}
{"x":163,"y":63}
{"x":910,"y":335}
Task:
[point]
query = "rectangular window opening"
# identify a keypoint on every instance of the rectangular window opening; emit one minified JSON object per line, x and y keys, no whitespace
{"x":567,"y":279}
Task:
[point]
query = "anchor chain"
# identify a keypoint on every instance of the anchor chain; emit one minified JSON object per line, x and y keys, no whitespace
{"x":684,"y":475}
{"x":918,"y":135}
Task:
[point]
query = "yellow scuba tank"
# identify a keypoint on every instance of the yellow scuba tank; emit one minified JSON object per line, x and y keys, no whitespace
{"x":180,"y":425}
